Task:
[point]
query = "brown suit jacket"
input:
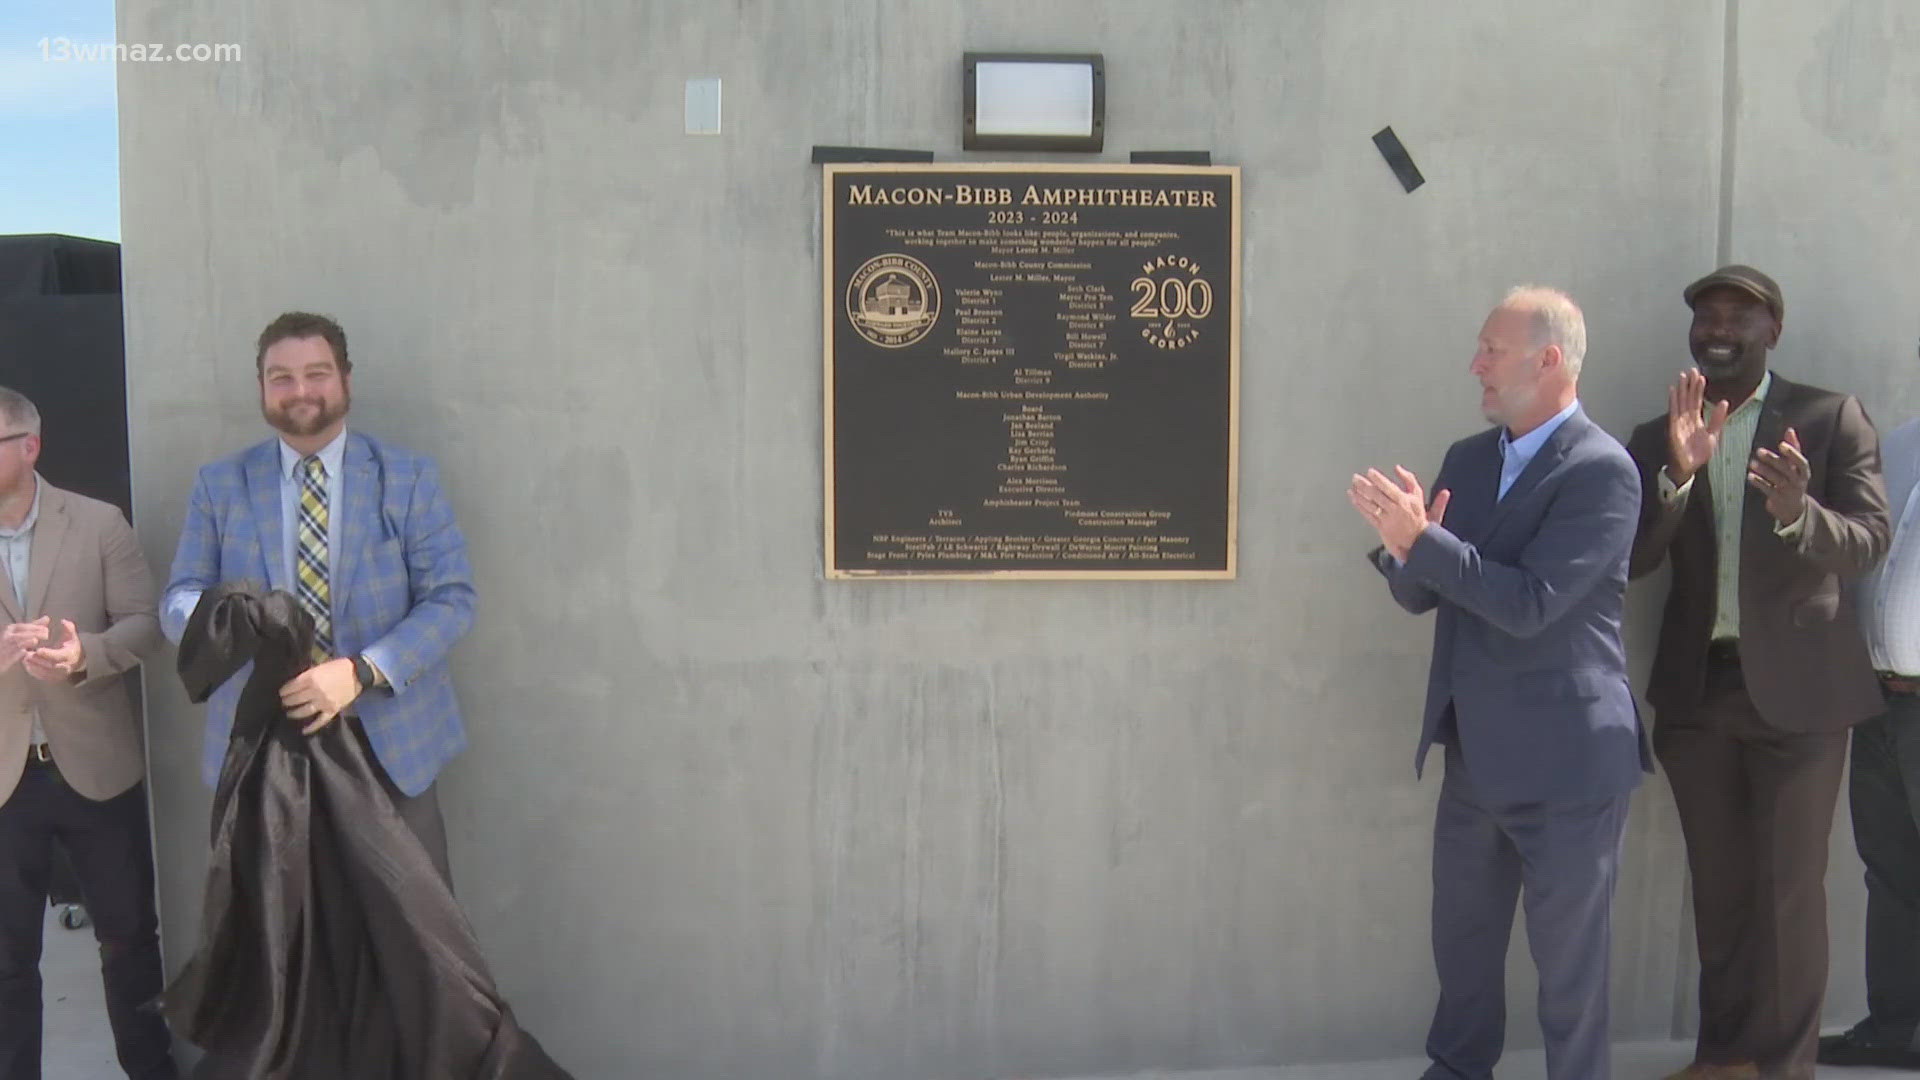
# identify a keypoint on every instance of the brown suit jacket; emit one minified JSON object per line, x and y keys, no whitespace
{"x":1802,"y":655}
{"x":86,"y":566}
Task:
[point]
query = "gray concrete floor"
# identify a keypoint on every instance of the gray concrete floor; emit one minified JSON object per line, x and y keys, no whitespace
{"x":75,"y":1043}
{"x":78,"y":1045}
{"x":1631,"y":1061}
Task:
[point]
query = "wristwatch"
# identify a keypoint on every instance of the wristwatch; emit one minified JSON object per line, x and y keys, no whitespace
{"x":363,"y":672}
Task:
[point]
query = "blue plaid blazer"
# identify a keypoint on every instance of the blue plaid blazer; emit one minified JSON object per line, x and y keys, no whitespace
{"x":400,"y":579}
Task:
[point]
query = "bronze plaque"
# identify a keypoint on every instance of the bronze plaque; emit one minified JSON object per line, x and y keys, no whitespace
{"x":1032,"y":371}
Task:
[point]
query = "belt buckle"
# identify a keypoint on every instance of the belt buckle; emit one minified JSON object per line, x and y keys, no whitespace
{"x":41,"y":753}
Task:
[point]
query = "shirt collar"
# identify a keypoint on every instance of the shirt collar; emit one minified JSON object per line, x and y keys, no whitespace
{"x":33,"y":515}
{"x":1529,"y":444}
{"x":1757,"y":400}
{"x":331,"y":455}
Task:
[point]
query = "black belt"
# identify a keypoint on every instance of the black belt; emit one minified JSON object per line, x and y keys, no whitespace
{"x":1723,"y":651}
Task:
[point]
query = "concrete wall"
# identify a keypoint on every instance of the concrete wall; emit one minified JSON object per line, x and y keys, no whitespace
{"x":1825,"y":161}
{"x":722,"y":818}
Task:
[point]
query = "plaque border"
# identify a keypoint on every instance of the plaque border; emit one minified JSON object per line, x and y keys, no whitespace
{"x":827,"y":285}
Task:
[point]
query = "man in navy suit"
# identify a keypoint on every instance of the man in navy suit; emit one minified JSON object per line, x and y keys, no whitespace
{"x":1528,"y":689}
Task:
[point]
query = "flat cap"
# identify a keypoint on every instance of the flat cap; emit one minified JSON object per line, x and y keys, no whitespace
{"x":1747,"y":280}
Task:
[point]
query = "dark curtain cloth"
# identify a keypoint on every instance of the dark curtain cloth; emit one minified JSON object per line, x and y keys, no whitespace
{"x":330,"y":945}
{"x":49,"y":264}
{"x":61,"y":345}
{"x":67,"y":354}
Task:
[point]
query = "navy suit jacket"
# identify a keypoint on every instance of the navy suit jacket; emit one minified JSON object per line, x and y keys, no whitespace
{"x":1529,"y":675}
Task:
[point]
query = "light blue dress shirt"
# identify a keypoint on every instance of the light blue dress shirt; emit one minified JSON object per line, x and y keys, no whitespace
{"x":1516,"y":453}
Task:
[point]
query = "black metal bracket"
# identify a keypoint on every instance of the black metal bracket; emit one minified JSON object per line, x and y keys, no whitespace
{"x":1398,"y":159}
{"x":823,"y":155}
{"x":1171,"y":157}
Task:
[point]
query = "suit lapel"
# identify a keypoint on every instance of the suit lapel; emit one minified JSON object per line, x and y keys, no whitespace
{"x":263,"y":491}
{"x":1772,"y":429}
{"x":357,"y":504}
{"x":1769,"y":431}
{"x":1475,"y":488}
{"x":9,"y":602}
{"x":48,"y":536}
{"x":1700,"y":509}
{"x":1544,"y":462}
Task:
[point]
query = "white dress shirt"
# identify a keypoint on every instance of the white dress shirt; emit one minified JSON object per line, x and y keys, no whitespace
{"x":1890,"y":595}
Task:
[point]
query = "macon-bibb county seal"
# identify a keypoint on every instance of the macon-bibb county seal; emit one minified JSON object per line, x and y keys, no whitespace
{"x":893,"y":300}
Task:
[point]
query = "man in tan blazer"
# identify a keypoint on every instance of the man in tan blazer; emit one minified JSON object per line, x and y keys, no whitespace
{"x":77,"y":604}
{"x":1766,"y":496}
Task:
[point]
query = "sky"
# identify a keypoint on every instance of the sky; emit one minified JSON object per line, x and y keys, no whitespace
{"x":59,"y":132}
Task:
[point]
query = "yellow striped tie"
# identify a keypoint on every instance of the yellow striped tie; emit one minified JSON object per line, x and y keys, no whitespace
{"x":310,"y":556}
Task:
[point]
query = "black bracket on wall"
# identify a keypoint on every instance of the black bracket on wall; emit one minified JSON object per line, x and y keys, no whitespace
{"x":1171,"y":157}
{"x":1398,"y":159}
{"x":823,"y":155}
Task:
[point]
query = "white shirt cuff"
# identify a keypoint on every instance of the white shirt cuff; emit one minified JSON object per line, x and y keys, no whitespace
{"x":1671,"y":493}
{"x":1793,"y":532}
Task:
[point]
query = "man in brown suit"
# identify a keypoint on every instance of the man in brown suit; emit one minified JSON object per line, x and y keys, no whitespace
{"x":77,"y":604}
{"x":1767,"y":496}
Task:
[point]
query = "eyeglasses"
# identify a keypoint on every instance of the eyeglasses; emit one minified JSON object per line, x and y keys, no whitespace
{"x":15,"y":435}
